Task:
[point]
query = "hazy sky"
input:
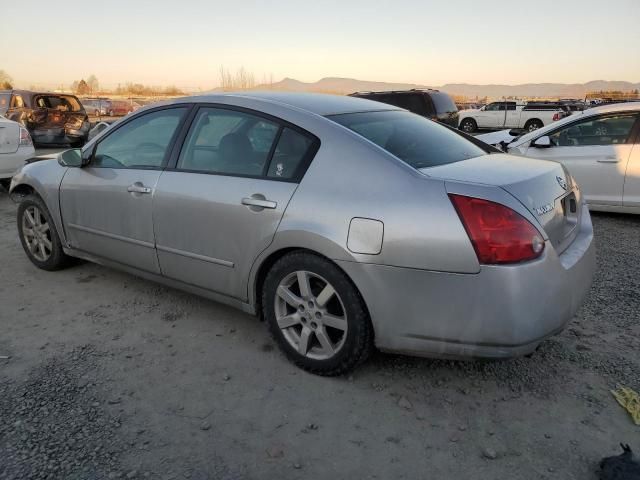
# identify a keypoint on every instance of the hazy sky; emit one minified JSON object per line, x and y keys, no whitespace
{"x":185,"y":42}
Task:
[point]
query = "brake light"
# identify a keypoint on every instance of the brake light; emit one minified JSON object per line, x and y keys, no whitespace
{"x":25,"y":138}
{"x":556,"y":117}
{"x":499,"y":235}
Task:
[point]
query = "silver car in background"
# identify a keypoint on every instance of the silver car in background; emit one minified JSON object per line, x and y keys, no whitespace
{"x":345,"y":223}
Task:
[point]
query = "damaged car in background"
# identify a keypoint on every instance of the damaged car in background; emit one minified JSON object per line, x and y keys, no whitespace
{"x":50,"y":118}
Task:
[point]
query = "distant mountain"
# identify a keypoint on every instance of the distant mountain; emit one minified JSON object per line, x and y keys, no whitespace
{"x":350,"y":85}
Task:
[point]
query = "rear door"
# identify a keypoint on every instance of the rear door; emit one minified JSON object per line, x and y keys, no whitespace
{"x":512,"y":115}
{"x":221,"y":203}
{"x":107,"y":205}
{"x":596,"y":151}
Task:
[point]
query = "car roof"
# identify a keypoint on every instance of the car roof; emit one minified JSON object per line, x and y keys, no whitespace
{"x":318,"y":103}
{"x":590,"y":112}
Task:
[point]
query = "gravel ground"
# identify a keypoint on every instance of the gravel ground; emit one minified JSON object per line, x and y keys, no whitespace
{"x":111,"y":376}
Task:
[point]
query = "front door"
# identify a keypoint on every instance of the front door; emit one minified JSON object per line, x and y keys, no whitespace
{"x":492,"y":115}
{"x":596,"y":151}
{"x":107,"y":206}
{"x":222,"y":203}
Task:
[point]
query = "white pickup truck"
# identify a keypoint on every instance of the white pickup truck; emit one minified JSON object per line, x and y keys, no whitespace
{"x":500,"y":115}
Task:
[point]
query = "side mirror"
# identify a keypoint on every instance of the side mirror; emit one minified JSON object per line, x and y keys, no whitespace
{"x":542,"y":142}
{"x":71,"y":158}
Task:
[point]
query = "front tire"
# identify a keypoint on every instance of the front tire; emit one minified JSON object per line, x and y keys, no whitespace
{"x":39,"y":236}
{"x":468,"y":125}
{"x":316,"y":314}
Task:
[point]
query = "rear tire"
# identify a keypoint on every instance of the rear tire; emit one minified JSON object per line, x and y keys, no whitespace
{"x":316,"y":314}
{"x":532,"y":125}
{"x":39,"y":236}
{"x":468,"y":125}
{"x":5,"y":183}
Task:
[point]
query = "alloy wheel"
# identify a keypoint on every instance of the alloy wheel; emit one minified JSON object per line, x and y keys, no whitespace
{"x":311,"y":315}
{"x":36,"y":233}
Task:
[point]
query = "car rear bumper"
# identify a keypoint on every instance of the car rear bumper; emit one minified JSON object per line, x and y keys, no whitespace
{"x":500,"y":312}
{"x":10,"y":163}
{"x":58,"y":135}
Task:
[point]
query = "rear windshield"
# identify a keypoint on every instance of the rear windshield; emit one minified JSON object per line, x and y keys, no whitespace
{"x":4,"y":102}
{"x":443,"y":102}
{"x":63,"y":103}
{"x":413,"y":139}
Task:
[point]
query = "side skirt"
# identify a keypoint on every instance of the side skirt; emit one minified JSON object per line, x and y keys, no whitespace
{"x":201,"y":292}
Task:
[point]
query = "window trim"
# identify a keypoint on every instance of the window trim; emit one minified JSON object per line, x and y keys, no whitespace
{"x":634,"y":132}
{"x":281,"y":123}
{"x":170,"y":146}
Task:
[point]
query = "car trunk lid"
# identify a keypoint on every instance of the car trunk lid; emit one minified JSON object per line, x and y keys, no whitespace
{"x":9,"y":136}
{"x":544,"y":188}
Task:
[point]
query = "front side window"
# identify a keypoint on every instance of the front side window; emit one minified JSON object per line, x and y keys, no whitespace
{"x":228,"y":142}
{"x":413,"y":139}
{"x":494,"y":107}
{"x":611,"y":130}
{"x":140,"y":143}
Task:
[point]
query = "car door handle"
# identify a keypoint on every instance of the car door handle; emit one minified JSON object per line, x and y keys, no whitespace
{"x":258,"y":202}
{"x":138,"y":188}
{"x":608,"y":160}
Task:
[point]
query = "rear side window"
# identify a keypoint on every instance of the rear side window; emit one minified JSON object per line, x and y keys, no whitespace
{"x":290,"y":154}
{"x":443,"y":102}
{"x":412,"y":102}
{"x":413,"y":139}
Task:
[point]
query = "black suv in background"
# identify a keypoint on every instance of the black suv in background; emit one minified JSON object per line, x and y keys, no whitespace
{"x":51,"y":118}
{"x":432,"y":104}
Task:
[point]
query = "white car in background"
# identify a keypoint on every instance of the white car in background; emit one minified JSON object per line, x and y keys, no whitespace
{"x":16,"y":148}
{"x":497,"y":115}
{"x":600,"y":147}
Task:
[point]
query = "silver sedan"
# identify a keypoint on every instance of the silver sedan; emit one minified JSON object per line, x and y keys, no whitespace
{"x":346,"y":224}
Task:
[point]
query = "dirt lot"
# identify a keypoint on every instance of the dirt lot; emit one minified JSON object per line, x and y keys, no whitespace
{"x":110,"y":376}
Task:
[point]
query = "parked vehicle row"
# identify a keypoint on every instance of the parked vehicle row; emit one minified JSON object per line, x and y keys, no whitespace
{"x":346,"y":223}
{"x":50,"y":118}
{"x":600,"y":147}
{"x":107,"y":107}
{"x":510,"y":114}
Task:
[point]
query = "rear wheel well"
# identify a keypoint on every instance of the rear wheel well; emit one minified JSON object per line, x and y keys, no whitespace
{"x":277,"y":255}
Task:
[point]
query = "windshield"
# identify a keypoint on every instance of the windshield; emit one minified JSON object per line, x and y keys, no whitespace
{"x":4,"y":102}
{"x":413,"y":139}
{"x":63,"y":103}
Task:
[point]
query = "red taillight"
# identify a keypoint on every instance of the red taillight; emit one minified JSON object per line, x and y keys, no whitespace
{"x":498,"y":234}
{"x":25,"y":138}
{"x":556,"y":117}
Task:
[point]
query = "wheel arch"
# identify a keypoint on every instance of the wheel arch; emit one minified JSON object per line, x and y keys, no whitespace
{"x":265,"y":264}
